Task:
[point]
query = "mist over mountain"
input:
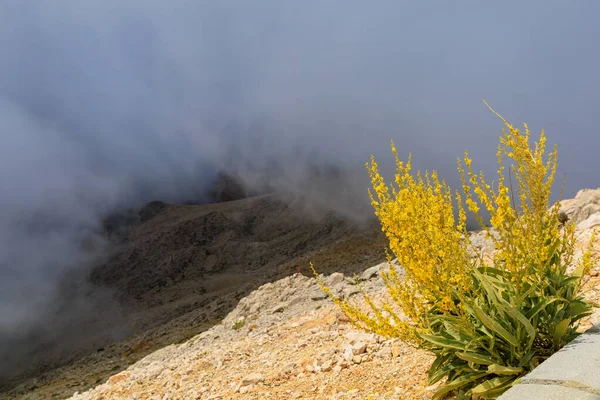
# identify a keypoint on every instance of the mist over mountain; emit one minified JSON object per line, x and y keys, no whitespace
{"x":106,"y":105}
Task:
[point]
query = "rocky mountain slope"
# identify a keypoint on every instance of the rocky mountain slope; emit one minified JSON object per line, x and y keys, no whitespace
{"x":283,"y":341}
{"x":286,"y":340}
{"x":176,"y":270}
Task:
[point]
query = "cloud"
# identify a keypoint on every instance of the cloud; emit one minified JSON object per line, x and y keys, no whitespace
{"x":112,"y":103}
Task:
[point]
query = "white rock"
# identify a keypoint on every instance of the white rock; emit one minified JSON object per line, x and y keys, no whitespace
{"x":590,"y":222}
{"x":334,"y":279}
{"x":252,"y":379}
{"x":289,"y":367}
{"x":359,"y":348}
{"x":351,"y":291}
{"x":356,"y":336}
{"x":348,"y":353}
{"x":244,"y":389}
{"x":371,"y":272}
{"x":384,"y":352}
{"x":318,"y":295}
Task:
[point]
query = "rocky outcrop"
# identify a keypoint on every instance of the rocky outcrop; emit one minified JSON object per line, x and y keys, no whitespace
{"x":281,"y":333}
{"x":585,"y":204}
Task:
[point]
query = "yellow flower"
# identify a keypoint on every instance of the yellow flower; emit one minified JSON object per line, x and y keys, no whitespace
{"x":425,"y":223}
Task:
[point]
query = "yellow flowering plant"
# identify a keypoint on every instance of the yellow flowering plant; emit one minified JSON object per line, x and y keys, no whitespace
{"x":491,"y":320}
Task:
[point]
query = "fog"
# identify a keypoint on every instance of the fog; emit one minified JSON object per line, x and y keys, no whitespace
{"x":111,"y":103}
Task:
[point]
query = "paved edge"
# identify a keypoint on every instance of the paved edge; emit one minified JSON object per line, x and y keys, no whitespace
{"x":571,"y":373}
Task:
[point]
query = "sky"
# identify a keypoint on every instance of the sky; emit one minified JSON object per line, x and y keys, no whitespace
{"x":111,"y":103}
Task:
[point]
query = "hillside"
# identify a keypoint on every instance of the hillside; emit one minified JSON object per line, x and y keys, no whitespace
{"x":176,"y":270}
{"x":286,"y":341}
{"x":281,"y":338}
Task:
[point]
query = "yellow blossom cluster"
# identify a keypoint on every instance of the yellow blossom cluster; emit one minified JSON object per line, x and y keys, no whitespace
{"x":425,"y":223}
{"x":527,"y":233}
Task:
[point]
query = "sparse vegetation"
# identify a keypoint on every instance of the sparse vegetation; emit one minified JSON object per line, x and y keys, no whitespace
{"x":239,"y":325}
{"x":487,"y":321}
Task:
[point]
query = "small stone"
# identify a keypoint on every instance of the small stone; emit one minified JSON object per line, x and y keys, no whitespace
{"x":252,"y":379}
{"x":334,"y":279}
{"x":309,"y":368}
{"x":355,"y":336}
{"x":356,"y":359}
{"x":343,"y":318}
{"x":330,"y":319}
{"x":370,"y":273}
{"x":351,"y":291}
{"x":359,"y":348}
{"x":318,"y":295}
{"x":326,"y":366}
{"x":348,"y":352}
{"x":384,"y":352}
{"x":289,"y":367}
{"x":337,"y":369}
{"x":244,"y":389}
{"x":279,"y":308}
{"x":396,"y":351}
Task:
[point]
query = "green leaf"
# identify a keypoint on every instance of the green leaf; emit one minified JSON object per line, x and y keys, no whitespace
{"x":447,"y":343}
{"x":526,"y":358}
{"x":476,"y":358}
{"x":495,"y":326}
{"x":579,"y":316}
{"x":497,"y":392}
{"x":442,"y":372}
{"x":437,"y":363}
{"x":504,"y":369}
{"x":456,"y":332}
{"x":525,"y":295}
{"x":571,"y":279}
{"x":490,"y":385}
{"x":578,"y":307}
{"x":552,"y":250}
{"x":541,"y":304}
{"x":491,"y":271}
{"x":457,"y":383}
{"x":579,"y":271}
{"x":560,"y":329}
{"x":488,"y":287}
{"x":513,"y":312}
